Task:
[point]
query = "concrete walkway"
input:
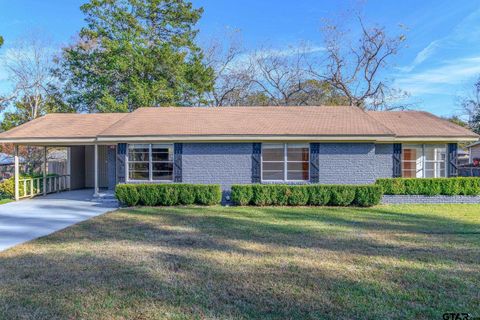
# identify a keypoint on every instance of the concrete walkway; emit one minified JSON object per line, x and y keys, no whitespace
{"x":29,"y":219}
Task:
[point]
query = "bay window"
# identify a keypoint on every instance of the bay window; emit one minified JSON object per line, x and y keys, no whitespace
{"x":285,"y":162}
{"x":424,"y":160}
{"x":150,"y":162}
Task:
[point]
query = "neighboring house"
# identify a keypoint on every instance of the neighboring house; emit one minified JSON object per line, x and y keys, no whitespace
{"x":240,"y":145}
{"x":463,"y":157}
{"x":7,"y":163}
{"x":474,"y":151}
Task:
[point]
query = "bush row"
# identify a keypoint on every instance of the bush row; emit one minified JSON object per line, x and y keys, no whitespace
{"x":168,"y":194}
{"x":430,"y":187}
{"x":300,"y":195}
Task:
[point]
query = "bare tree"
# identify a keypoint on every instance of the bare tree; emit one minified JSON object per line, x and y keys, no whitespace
{"x":282,"y":76}
{"x":471,"y":106}
{"x":233,"y":77}
{"x":28,"y":65}
{"x":279,"y":75}
{"x":356,"y":69}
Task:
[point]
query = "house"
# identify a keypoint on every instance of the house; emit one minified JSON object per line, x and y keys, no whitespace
{"x":463,"y":157}
{"x":7,"y":163}
{"x":240,"y":145}
{"x":474,"y":151}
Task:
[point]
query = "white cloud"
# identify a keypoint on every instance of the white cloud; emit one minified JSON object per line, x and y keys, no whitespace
{"x":467,"y":30}
{"x":436,"y":79}
{"x":423,"y":55}
{"x":291,"y":51}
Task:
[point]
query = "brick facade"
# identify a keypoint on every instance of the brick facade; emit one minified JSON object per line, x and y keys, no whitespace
{"x":354,"y":163}
{"x":231,"y":163}
{"x":400,"y":199}
{"x":222,"y":163}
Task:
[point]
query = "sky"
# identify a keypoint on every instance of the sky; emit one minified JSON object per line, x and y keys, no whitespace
{"x":440,"y":62}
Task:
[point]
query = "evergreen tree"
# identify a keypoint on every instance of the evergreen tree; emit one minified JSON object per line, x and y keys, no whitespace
{"x":135,"y":53}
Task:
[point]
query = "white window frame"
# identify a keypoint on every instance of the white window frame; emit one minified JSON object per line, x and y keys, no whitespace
{"x":285,"y":163}
{"x":423,"y":160}
{"x":150,"y":163}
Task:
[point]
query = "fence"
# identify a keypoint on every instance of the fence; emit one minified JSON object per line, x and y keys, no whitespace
{"x":31,"y":187}
{"x":469,"y":172}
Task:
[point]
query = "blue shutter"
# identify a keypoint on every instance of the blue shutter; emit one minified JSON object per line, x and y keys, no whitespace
{"x":452,"y":169}
{"x":122,"y":148}
{"x":121,"y":162}
{"x":314,"y":162}
{"x":397,"y":160}
{"x":256,"y":162}
{"x":177,"y":162}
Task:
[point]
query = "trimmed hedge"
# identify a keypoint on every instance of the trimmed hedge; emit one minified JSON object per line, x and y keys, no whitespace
{"x":300,"y":195}
{"x":467,"y":186}
{"x":168,"y":194}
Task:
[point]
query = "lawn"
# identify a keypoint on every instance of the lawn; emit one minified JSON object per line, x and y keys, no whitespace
{"x":403,"y":262}
{"x":3,"y":201}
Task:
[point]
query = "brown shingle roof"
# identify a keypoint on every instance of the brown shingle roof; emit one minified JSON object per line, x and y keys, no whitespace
{"x":419,"y":124}
{"x":238,"y":122}
{"x":345,"y":121}
{"x":64,"y":125}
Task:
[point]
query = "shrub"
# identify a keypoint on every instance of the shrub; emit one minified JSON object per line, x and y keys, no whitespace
{"x":279,"y":194}
{"x":469,"y":186}
{"x":241,"y":194}
{"x":367,"y":196}
{"x":167,"y":194}
{"x":208,"y":194}
{"x":148,"y":194}
{"x":186,"y":194}
{"x":127,"y":194}
{"x":430,"y":186}
{"x":342,"y":195}
{"x":450,"y":187}
{"x":392,"y":186}
{"x":261,"y":195}
{"x":7,"y":188}
{"x":318,"y":195}
{"x":300,"y":195}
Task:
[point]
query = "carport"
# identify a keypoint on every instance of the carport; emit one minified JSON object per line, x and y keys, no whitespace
{"x":90,"y":164}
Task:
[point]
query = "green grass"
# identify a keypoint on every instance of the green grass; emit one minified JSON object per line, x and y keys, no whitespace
{"x":402,"y":262}
{"x":3,"y":201}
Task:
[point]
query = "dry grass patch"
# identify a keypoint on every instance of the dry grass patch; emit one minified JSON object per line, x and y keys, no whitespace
{"x":244,"y":263}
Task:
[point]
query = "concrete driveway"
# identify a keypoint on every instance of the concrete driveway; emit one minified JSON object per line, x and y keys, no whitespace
{"x":29,"y":219}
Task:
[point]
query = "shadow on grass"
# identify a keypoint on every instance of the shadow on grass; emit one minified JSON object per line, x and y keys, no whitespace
{"x":331,"y":230}
{"x":184,"y":263}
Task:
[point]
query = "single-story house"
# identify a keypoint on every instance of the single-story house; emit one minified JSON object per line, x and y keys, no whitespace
{"x":241,"y":145}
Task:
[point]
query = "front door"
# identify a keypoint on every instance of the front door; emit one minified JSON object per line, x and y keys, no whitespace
{"x":111,"y":167}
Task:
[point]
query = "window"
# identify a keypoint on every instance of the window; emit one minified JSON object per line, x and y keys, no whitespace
{"x":285,"y":162}
{"x":138,"y":161}
{"x":423,"y":160}
{"x":150,"y":162}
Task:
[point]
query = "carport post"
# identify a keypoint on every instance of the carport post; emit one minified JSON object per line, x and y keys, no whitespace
{"x":44,"y":171}
{"x":17,"y":174}
{"x":95,"y":172}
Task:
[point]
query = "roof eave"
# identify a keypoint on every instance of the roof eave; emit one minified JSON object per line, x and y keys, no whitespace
{"x":50,"y":141}
{"x":235,"y":138}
